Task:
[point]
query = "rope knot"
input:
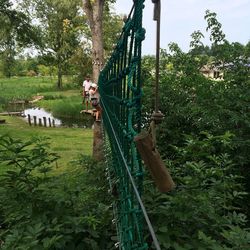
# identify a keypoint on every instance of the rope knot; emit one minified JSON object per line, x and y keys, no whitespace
{"x":140,"y":34}
{"x":128,"y":25}
{"x":157,"y":117}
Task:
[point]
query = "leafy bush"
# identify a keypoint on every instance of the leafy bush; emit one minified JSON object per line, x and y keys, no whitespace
{"x":203,"y":212}
{"x":192,"y":104}
{"x":204,"y":139}
{"x":42,"y":212}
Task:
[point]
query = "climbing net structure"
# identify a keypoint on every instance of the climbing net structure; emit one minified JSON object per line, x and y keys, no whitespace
{"x":120,"y":89}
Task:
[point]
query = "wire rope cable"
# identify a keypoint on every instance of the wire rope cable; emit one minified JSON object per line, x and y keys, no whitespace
{"x":150,"y":227}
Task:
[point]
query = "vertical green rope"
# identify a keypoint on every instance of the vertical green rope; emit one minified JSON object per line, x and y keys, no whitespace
{"x":120,"y":89}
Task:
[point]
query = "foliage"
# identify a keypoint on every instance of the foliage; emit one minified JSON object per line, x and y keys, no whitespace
{"x":8,"y":57}
{"x":204,"y":139}
{"x":203,"y":211}
{"x":214,"y":25}
{"x":112,"y":27}
{"x":59,"y":21}
{"x":63,"y":40}
{"x":17,"y":24}
{"x":15,"y":32}
{"x":81,"y":62}
{"x":42,"y":213}
{"x":196,"y":42}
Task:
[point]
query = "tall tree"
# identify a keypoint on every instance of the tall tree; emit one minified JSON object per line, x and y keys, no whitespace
{"x":94,"y":10}
{"x":60,"y":21}
{"x":82,"y":58}
{"x":15,"y":31}
{"x":97,"y":12}
{"x":8,"y":56}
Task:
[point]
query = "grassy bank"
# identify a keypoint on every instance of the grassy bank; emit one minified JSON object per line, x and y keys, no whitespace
{"x":25,"y":87}
{"x":68,"y":143}
{"x":64,"y":103}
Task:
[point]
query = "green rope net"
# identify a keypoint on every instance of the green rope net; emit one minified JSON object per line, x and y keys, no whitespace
{"x":120,"y":89}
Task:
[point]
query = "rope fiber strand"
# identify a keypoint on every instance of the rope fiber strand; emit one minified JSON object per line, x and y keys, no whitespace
{"x":120,"y":89}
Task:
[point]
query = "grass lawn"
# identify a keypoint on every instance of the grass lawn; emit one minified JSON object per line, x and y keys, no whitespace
{"x":68,"y":143}
{"x":23,"y":88}
{"x":65,"y":103}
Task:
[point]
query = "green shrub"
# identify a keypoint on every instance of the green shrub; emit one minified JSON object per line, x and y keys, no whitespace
{"x":203,"y":212}
{"x":41,"y":212}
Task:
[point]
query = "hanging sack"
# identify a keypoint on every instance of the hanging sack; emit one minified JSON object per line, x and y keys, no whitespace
{"x":152,"y":159}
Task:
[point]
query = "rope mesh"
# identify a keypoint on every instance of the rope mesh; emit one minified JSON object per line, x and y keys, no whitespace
{"x":120,"y":89}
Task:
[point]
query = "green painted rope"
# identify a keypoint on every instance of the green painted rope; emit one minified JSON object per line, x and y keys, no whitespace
{"x":120,"y":89}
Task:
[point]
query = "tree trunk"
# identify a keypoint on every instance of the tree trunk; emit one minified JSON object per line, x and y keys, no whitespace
{"x":94,"y":12}
{"x":97,"y":39}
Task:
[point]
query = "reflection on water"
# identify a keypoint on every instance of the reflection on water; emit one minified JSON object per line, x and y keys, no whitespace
{"x":83,"y":122}
{"x":79,"y":120}
{"x":40,"y":113}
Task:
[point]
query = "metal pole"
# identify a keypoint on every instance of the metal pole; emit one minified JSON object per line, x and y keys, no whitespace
{"x":157,"y":18}
{"x":157,"y":115}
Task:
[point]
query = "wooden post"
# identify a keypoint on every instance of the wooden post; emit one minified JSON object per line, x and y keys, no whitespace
{"x":35,"y":121}
{"x":29,"y":119}
{"x":49,"y":121}
{"x":40,"y":122}
{"x":53,"y":122}
{"x":153,"y":161}
{"x":44,"y":122}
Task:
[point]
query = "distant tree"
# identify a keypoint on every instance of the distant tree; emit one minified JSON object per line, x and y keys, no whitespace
{"x":220,"y":47}
{"x":112,"y":28}
{"x":8,"y":56}
{"x":43,"y":70}
{"x":196,"y":43}
{"x":15,"y":32}
{"x":59,"y":20}
{"x":81,"y":62}
{"x":217,"y":36}
{"x":20,"y":68}
{"x":230,"y":57}
{"x":32,"y":64}
{"x":247,"y":50}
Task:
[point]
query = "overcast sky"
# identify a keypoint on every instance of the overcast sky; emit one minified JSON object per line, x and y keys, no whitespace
{"x":179,"y":18}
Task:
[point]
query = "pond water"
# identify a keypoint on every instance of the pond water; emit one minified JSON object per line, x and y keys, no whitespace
{"x":40,"y":113}
{"x":78,"y":121}
{"x":84,"y":122}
